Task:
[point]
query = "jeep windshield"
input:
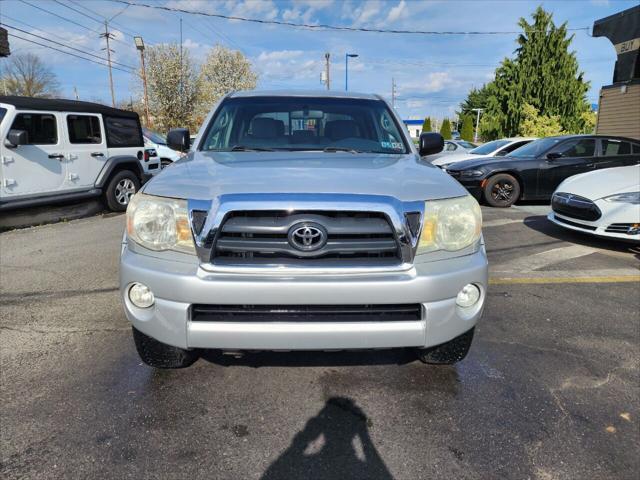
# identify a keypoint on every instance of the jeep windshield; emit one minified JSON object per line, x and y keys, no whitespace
{"x":304,"y":124}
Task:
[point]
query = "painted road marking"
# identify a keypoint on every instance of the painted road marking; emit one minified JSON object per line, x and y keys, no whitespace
{"x":546,"y":258}
{"x":549,"y":280}
{"x":500,"y":222}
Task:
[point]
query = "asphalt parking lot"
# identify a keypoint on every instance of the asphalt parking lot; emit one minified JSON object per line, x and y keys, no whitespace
{"x":550,"y":389}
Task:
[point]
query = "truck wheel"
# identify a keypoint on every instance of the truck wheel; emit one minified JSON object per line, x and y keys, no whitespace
{"x":160,"y":355}
{"x":501,"y":190}
{"x":120,"y":189}
{"x":448,"y":353}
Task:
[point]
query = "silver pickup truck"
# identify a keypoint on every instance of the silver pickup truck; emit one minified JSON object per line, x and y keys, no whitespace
{"x":302,"y":221}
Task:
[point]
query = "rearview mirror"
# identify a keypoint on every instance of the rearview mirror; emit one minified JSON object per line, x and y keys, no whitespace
{"x":553,"y":155}
{"x":179,"y":139}
{"x":430,"y":143}
{"x":15,"y":138}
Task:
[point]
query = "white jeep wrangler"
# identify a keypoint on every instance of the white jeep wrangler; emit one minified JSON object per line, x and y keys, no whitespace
{"x":63,"y":150}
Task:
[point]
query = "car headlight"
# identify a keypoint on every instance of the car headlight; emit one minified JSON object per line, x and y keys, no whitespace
{"x":629,"y":197}
{"x":451,"y":224}
{"x":471,"y":173}
{"x":159,"y":223}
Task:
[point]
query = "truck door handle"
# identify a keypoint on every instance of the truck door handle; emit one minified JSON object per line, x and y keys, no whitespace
{"x":59,"y":156}
{"x":97,"y":154}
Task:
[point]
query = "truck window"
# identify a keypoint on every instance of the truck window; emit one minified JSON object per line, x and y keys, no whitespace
{"x":84,"y":129}
{"x":41,"y":127}
{"x":123,"y":132}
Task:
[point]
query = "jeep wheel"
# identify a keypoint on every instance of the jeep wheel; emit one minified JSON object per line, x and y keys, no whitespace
{"x":448,"y":353}
{"x":501,"y":190}
{"x":160,"y":355}
{"x":122,"y":186}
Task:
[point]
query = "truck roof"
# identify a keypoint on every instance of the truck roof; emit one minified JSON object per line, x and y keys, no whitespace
{"x":303,"y":93}
{"x":62,"y":105}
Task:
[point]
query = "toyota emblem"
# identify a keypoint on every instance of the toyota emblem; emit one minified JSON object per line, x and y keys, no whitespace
{"x":307,"y":236}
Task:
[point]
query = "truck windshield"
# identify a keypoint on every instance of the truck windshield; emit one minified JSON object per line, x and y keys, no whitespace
{"x":304,"y":123}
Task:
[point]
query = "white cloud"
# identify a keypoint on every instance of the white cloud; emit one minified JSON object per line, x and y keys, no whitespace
{"x":280,"y":55}
{"x":263,"y":9}
{"x":290,"y":65}
{"x":398,"y":12}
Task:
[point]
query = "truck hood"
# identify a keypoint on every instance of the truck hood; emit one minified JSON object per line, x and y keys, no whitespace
{"x":207,"y":175}
{"x":602,"y":183}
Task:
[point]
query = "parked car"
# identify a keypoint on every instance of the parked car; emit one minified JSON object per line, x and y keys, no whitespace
{"x":534,"y":171}
{"x":302,"y":222}
{"x":496,"y":148}
{"x":151,"y":162}
{"x":605,"y":203}
{"x":455,"y":135}
{"x":159,"y":143}
{"x":61,"y":150}
{"x":453,"y":147}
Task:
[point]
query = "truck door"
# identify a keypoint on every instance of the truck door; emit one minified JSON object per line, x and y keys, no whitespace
{"x":87,"y":149}
{"x":40,"y":166}
{"x":567,"y":159}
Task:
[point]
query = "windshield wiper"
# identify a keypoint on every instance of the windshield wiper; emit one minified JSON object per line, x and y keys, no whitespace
{"x":341,"y":149}
{"x":242,"y":148}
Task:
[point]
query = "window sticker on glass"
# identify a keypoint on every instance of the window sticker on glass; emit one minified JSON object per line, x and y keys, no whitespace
{"x":392,"y":145}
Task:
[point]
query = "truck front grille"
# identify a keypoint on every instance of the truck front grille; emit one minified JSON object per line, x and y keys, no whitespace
{"x":279,"y":237}
{"x":306,"y":313}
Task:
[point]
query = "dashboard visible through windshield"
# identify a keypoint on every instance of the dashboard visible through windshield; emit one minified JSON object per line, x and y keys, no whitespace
{"x":301,"y":123}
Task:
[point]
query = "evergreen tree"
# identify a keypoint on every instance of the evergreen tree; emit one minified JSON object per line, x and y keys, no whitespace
{"x":426,"y":125}
{"x":445,"y":129}
{"x":466,"y":133}
{"x":544,"y":74}
{"x":476,"y":98}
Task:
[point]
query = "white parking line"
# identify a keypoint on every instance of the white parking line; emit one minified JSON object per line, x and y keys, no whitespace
{"x":500,"y":221}
{"x":544,"y":259}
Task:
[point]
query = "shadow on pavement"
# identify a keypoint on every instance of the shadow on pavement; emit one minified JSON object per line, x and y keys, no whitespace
{"x":540,"y":224}
{"x":309,"y":358}
{"x":333,"y":444}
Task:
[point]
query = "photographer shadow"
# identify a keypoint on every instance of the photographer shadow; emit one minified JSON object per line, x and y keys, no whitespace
{"x":333,"y":444}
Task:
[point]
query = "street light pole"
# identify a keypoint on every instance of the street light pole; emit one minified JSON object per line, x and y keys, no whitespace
{"x":327,"y":58}
{"x":477,"y":121}
{"x":140,"y":46}
{"x":346,"y":69}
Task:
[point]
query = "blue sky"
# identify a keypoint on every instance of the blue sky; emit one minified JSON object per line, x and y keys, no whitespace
{"x":432,"y":73}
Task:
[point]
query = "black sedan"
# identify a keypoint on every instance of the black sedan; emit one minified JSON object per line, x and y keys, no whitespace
{"x":533,"y":172}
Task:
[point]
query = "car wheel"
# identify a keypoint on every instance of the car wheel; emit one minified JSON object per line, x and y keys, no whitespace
{"x":122,"y":186}
{"x":165,"y":162}
{"x":501,"y":190}
{"x":448,"y":353}
{"x":160,"y":355}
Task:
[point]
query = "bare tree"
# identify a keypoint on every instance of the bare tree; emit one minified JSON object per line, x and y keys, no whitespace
{"x":26,"y":75}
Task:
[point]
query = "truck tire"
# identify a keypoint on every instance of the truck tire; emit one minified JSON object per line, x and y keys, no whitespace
{"x":448,"y":353}
{"x":120,"y":189}
{"x":160,"y":355}
{"x":502,"y":190}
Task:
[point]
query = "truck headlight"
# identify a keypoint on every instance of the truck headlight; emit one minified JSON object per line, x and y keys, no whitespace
{"x":159,"y":223}
{"x":629,"y":197}
{"x":451,"y":224}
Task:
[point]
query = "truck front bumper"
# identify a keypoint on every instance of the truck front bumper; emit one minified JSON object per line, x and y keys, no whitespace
{"x":177,"y":286}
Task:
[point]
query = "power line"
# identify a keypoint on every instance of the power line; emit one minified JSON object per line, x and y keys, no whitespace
{"x":59,"y":16}
{"x":65,"y":52}
{"x":111,"y":22}
{"x":66,"y":46}
{"x":78,"y":11}
{"x":323,"y":26}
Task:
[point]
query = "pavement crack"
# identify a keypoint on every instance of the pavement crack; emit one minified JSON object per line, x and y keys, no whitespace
{"x":18,"y":297}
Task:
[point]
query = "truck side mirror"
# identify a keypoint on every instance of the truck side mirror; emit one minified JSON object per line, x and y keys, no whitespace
{"x":179,"y":139}
{"x":430,"y":143}
{"x":15,"y":138}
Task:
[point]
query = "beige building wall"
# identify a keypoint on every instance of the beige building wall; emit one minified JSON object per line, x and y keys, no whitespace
{"x":619,"y":111}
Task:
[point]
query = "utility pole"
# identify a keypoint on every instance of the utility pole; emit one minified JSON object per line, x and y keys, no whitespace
{"x":75,"y":92}
{"x":327,"y":57}
{"x":393,"y":92}
{"x":346,"y":68}
{"x":140,"y":46}
{"x":107,"y":36}
{"x":475,"y":138}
